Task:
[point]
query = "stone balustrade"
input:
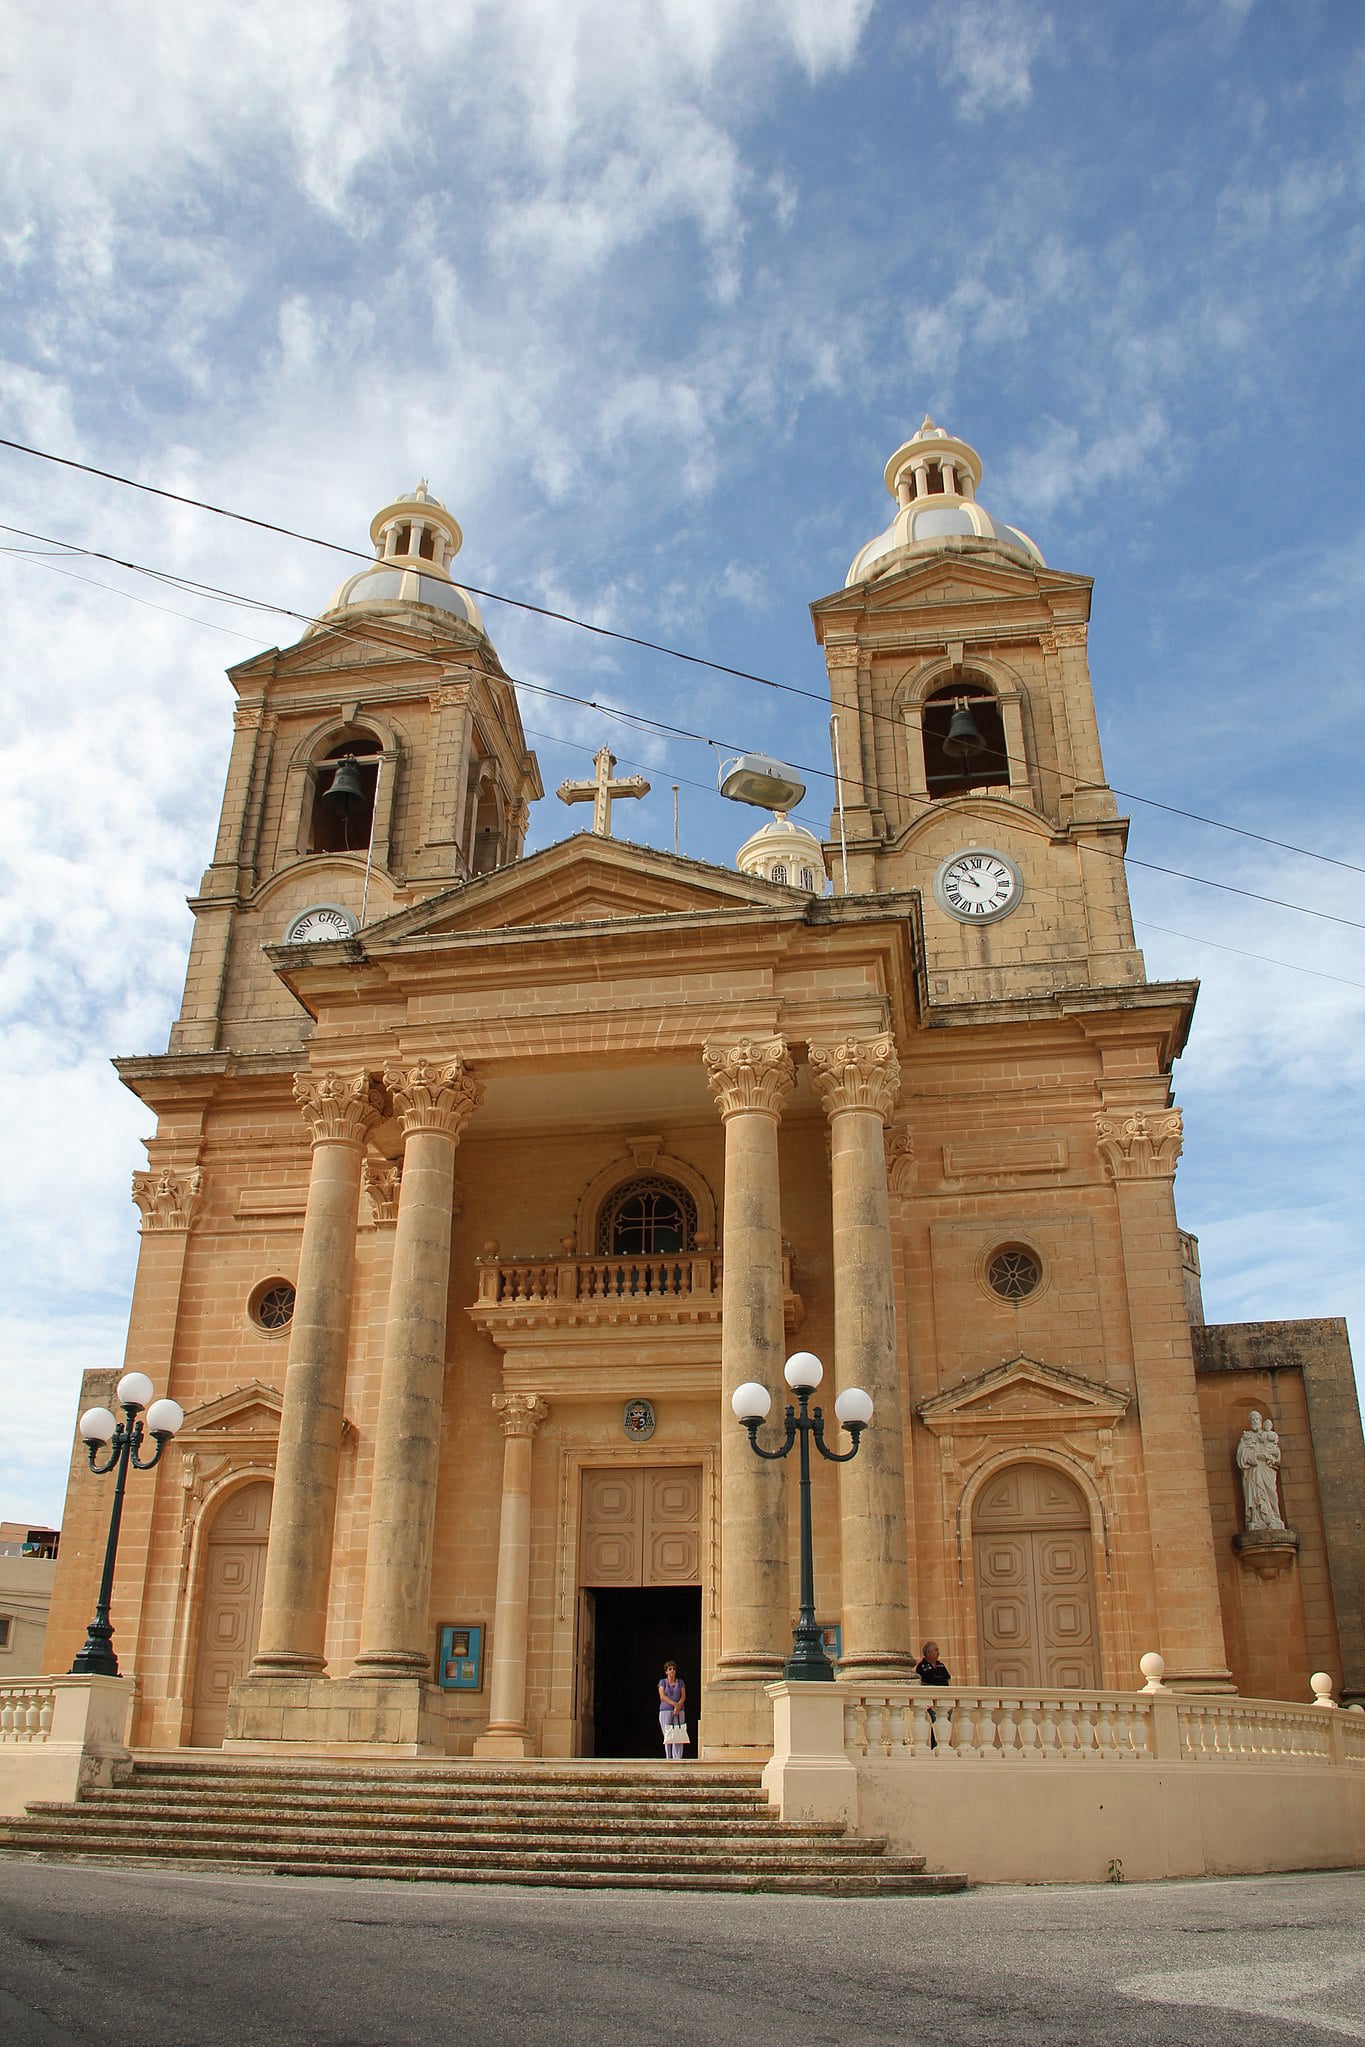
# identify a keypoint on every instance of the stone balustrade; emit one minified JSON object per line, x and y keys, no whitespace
{"x":26,"y":1710}
{"x":959,"y":1724}
{"x":685,"y":1287}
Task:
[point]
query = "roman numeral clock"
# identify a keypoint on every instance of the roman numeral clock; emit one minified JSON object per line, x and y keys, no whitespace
{"x":978,"y":885}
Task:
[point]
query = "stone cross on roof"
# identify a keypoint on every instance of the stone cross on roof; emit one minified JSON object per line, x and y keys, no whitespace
{"x":600,"y":791}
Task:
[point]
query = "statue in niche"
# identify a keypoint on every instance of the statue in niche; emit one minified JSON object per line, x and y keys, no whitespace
{"x":1258,"y":1460}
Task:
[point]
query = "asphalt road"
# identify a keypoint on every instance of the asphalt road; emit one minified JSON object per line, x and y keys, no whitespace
{"x":163,"y":1960}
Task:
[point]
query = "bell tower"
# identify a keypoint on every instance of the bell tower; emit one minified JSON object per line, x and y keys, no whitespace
{"x":378,"y":760}
{"x":967,"y":747}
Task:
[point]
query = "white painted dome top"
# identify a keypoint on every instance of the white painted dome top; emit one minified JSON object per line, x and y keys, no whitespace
{"x":934,"y":479}
{"x":415,"y":540}
{"x":784,"y":852}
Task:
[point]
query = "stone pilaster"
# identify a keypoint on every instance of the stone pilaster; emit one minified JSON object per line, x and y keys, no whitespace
{"x":751,"y":1082}
{"x":506,"y":1735}
{"x":1139,"y":1148}
{"x":433,"y":1104}
{"x":858,"y":1081}
{"x":340,"y":1110}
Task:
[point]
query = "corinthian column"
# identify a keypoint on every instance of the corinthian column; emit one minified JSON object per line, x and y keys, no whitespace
{"x":858,"y":1081}
{"x":341,"y":1111}
{"x":751,"y":1082}
{"x":433,"y":1104}
{"x":522,"y":1415}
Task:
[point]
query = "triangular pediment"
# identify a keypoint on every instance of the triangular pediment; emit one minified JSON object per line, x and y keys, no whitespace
{"x":952,"y":579}
{"x":1025,"y":1390}
{"x":251,"y":1410}
{"x":583,"y":880}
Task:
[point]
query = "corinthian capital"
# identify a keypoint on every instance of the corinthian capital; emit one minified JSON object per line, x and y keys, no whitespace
{"x":1140,"y":1146}
{"x":339,"y":1108}
{"x":522,"y":1413}
{"x":857,"y":1073}
{"x":757,"y":1073}
{"x":169,"y":1200}
{"x":383,"y":1179}
{"x":426,"y":1097}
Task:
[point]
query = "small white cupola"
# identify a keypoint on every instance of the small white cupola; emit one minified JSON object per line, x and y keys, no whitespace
{"x":934,"y":479}
{"x":415,"y":540}
{"x":786,"y":853}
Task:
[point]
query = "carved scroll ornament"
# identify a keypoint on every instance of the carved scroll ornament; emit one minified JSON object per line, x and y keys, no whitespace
{"x":1140,"y":1146}
{"x":169,"y":1200}
{"x":857,"y":1073}
{"x":756,"y":1074}
{"x":339,"y":1108}
{"x":429,"y":1096}
{"x":522,"y":1413}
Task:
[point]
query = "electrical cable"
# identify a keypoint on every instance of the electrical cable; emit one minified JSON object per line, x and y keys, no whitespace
{"x":612,"y":633}
{"x":368,"y":631}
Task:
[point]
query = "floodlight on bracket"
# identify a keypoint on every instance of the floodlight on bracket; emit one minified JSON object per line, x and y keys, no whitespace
{"x":767,"y":784}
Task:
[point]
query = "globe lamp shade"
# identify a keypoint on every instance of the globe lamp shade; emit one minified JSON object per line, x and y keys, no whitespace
{"x":135,"y":1389}
{"x":751,"y":1402}
{"x":803,"y":1371}
{"x":165,"y":1417}
{"x":97,"y":1425}
{"x":853,"y":1405}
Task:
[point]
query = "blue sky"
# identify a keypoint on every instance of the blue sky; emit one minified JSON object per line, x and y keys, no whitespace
{"x":650,"y":292}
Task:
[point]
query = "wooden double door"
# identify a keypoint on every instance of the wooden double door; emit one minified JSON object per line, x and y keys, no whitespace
{"x":639,"y":1602}
{"x":1035,"y":1590}
{"x":230,"y":1614}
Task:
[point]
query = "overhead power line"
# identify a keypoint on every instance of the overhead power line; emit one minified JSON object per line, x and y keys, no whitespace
{"x":610,"y":633}
{"x":367,"y":630}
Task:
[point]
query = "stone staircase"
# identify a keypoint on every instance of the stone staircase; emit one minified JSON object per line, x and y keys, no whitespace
{"x":694,"y":1826}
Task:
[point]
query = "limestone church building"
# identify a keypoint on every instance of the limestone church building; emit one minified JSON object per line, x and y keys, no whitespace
{"x":480,"y":1180}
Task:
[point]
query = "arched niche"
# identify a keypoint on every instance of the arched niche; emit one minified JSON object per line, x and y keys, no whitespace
{"x":1000,"y":706}
{"x":379,"y":749}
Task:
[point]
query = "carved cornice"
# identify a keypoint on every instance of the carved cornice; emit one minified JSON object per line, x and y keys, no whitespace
{"x":169,"y":1200}
{"x":754,"y":1076}
{"x":1140,"y":1146}
{"x":383,"y":1178}
{"x":427,"y":1097}
{"x":339,"y":1108}
{"x":857,"y":1073}
{"x":522,"y":1413}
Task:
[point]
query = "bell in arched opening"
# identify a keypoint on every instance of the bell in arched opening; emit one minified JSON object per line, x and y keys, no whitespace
{"x":346,"y":794}
{"x":963,"y":737}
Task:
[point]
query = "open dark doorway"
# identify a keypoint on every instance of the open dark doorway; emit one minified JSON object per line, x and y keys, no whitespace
{"x":638,"y":1630}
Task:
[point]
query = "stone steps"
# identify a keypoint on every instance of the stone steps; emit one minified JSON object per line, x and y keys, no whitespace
{"x":687,"y":1827}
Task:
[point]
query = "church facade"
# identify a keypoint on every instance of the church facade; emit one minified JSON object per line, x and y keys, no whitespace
{"x":481,"y":1180}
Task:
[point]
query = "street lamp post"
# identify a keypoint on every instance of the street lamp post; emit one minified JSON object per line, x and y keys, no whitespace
{"x":751,"y":1403}
{"x":123,"y":1440}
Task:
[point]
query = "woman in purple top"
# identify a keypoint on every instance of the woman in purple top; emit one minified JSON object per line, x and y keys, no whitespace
{"x":672,"y":1710}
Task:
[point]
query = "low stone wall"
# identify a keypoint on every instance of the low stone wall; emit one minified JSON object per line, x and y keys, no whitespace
{"x":1050,"y":1787}
{"x":59,"y":1735}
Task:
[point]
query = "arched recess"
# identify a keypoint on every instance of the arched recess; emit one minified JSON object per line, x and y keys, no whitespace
{"x":649,"y":1162}
{"x":1033,"y":1540}
{"x":995,"y":694}
{"x":229,"y":1583}
{"x":312,"y":763}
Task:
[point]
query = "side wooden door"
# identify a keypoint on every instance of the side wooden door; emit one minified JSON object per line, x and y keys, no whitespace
{"x":230,"y":1618}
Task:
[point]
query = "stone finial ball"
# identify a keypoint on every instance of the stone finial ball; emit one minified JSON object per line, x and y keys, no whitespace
{"x":1153,"y":1668}
{"x":1322,"y":1688}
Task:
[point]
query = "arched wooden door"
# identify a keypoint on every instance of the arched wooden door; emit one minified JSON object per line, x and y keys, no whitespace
{"x":230,"y":1621}
{"x":1035,"y":1591}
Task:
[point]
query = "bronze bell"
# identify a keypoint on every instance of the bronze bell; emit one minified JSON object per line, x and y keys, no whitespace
{"x":964,"y":736}
{"x":347,"y":792}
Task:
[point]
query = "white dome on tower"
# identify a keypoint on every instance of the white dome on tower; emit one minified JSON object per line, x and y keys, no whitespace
{"x":784,"y":852}
{"x":415,"y":540}
{"x":934,"y":478}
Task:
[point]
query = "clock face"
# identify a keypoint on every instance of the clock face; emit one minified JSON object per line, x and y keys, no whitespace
{"x":324,"y":920}
{"x":977,"y":885}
